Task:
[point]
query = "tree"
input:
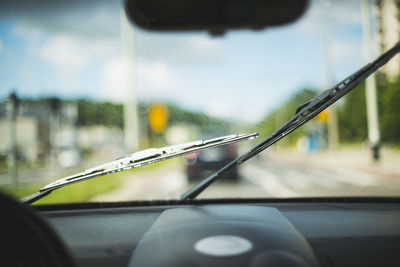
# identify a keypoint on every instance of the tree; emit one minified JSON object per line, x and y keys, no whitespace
{"x":104,"y":113}
{"x":389,"y":111}
{"x":352,"y":116}
{"x":280,"y":115}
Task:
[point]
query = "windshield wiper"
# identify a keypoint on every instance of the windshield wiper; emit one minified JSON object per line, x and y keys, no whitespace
{"x":138,"y":159}
{"x":303,"y":113}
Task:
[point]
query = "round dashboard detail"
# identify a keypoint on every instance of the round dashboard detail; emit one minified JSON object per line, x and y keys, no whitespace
{"x":223,"y":246}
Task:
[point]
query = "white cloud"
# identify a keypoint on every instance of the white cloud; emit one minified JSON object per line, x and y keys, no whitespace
{"x":337,"y":25}
{"x":328,"y":15}
{"x":77,"y":39}
{"x":157,"y":80}
{"x":343,"y":51}
{"x":150,"y":81}
{"x":70,"y":55}
{"x":75,"y":43}
{"x":74,"y":52}
{"x":204,"y":44}
{"x":24,"y":30}
{"x":215,"y":107}
{"x":184,"y":49}
{"x":116,"y":80}
{"x":66,"y":53}
{"x":250,"y":109}
{"x":88,"y":19}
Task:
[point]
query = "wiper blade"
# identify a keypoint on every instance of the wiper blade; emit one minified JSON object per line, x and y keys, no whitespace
{"x":304,"y":113}
{"x":138,"y":159}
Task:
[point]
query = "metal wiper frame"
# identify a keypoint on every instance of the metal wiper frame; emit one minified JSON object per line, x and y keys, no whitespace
{"x":304,"y":113}
{"x":138,"y":159}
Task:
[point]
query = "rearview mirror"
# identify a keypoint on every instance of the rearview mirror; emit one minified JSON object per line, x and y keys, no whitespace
{"x":215,"y":16}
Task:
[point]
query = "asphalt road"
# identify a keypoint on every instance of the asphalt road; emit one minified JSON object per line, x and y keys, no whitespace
{"x":261,"y":178}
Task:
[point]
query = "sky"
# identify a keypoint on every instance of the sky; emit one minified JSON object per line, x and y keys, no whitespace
{"x":73,"y":49}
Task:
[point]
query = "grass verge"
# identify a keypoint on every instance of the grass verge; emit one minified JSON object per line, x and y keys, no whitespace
{"x":85,"y":190}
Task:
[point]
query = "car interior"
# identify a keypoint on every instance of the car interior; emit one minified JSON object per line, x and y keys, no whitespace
{"x":290,"y":232}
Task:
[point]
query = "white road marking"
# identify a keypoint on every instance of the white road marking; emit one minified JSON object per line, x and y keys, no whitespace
{"x":267,"y":180}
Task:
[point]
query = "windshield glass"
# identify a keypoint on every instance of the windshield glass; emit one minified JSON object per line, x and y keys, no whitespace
{"x":81,"y":86}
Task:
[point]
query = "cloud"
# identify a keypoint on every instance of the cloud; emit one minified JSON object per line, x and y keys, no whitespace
{"x":81,"y":42}
{"x":204,"y":45}
{"x":66,"y":53}
{"x":159,"y":81}
{"x":156,"y":80}
{"x":343,"y":51}
{"x":72,"y":57}
{"x":116,"y":80}
{"x":149,"y":81}
{"x":89,"y":19}
{"x":239,"y":107}
{"x":75,"y":38}
{"x":328,"y":14}
{"x":81,"y":39}
{"x":183,"y":49}
{"x":336,"y":24}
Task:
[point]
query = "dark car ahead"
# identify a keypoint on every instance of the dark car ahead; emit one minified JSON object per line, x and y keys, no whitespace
{"x":205,"y":162}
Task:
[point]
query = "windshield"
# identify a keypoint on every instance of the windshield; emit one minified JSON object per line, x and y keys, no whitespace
{"x":81,"y":86}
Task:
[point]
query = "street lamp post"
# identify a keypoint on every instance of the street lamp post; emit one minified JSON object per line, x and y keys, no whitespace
{"x":131,"y":124}
{"x":370,"y":89}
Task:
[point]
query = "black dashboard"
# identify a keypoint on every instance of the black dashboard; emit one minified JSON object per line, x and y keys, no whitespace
{"x":320,"y":233}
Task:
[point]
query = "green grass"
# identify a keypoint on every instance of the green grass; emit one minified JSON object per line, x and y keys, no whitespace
{"x":85,"y":190}
{"x":18,"y":192}
{"x":78,"y":192}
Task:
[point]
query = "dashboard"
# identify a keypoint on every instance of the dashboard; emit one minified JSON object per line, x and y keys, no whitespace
{"x":317,"y":232}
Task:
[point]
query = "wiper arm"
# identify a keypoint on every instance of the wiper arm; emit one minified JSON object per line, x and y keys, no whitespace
{"x":304,"y":113}
{"x":138,"y":159}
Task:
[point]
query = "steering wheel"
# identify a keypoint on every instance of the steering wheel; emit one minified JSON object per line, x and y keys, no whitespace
{"x":27,"y":240}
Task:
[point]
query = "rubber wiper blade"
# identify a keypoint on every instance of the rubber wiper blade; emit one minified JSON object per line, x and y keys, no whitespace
{"x":138,"y":159}
{"x":304,"y":113}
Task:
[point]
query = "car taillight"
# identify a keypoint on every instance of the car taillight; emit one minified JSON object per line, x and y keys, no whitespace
{"x":191,"y":158}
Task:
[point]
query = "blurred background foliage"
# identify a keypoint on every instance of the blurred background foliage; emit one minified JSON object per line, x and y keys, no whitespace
{"x":352,"y":113}
{"x":91,"y":114}
{"x":284,"y":112}
{"x":352,"y":119}
{"x":104,"y":113}
{"x":389,"y":110}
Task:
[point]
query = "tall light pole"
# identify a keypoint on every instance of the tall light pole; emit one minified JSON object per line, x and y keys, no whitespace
{"x":131,"y":124}
{"x":370,"y":89}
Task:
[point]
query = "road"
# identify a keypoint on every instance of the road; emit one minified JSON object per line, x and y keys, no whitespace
{"x":39,"y":175}
{"x":261,"y":178}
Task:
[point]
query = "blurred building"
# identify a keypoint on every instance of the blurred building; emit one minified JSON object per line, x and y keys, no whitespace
{"x":26,"y":137}
{"x":388,"y":23}
{"x":97,"y":138}
{"x":44,"y":128}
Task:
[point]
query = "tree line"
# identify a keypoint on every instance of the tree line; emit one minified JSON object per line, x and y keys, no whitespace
{"x":351,"y":113}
